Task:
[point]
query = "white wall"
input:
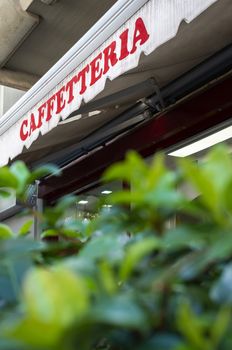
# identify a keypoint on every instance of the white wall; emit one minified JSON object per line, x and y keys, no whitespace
{"x":8,"y":97}
{"x":9,"y":202}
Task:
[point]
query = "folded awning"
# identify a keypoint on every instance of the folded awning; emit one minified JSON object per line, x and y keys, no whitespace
{"x":110,"y":49}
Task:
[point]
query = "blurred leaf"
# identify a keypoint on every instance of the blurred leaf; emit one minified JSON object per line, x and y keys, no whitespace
{"x":75,"y":229}
{"x":132,"y":170}
{"x":21,"y":172}
{"x":12,"y":272}
{"x":184,"y":236}
{"x":126,"y":197}
{"x":153,"y":272}
{"x":25,"y":229}
{"x":5,"y":232}
{"x":55,"y":296}
{"x":53,"y":214}
{"x":227,"y":198}
{"x":65,"y":203}
{"x":202,"y":183}
{"x":7,"y":178}
{"x":222,"y":290}
{"x":80,"y":265}
{"x":157,"y":170}
{"x":191,"y":327}
{"x":108,"y":246}
{"x":220,"y":326}
{"x":218,"y":167}
{"x":42,"y":171}
{"x":7,"y":291}
{"x":49,"y":233}
{"x":165,"y":197}
{"x":108,"y":277}
{"x":135,"y":253}
{"x":120,"y":311}
{"x":33,"y":334}
{"x":6,"y":344}
{"x":19,"y":247}
{"x":162,"y":341}
{"x":69,"y":233}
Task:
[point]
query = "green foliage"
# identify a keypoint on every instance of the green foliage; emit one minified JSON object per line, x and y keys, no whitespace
{"x":18,"y":177}
{"x":54,"y":223}
{"x":25,"y":229}
{"x":53,"y":299}
{"x":5,"y":232}
{"x":130,"y":278}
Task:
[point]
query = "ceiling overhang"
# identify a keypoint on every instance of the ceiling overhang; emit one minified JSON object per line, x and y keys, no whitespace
{"x":15,"y":25}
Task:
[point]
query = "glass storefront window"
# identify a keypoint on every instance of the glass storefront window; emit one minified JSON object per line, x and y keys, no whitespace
{"x":88,"y":203}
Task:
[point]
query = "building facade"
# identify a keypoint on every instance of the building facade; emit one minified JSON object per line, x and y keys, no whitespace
{"x":149,"y":75}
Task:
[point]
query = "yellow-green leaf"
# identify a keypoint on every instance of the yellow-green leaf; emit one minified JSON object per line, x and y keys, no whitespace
{"x":55,"y":296}
{"x":5,"y":232}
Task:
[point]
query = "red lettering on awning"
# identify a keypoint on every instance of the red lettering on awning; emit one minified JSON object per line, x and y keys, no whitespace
{"x":92,"y":72}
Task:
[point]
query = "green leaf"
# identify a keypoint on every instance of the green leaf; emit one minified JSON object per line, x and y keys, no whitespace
{"x":126,"y":197}
{"x":218,"y":167}
{"x":6,"y":344}
{"x":191,"y":327}
{"x":25,"y":229}
{"x":107,"y":277}
{"x":5,"y":232}
{"x":165,"y":197}
{"x":220,"y":326}
{"x":7,"y":178}
{"x":49,"y":233}
{"x":131,"y":170}
{"x":69,"y":233}
{"x":42,"y":171}
{"x":53,"y":214}
{"x":121,"y":311}
{"x":108,"y":246}
{"x":226,"y":196}
{"x":135,"y":253}
{"x":21,"y":172}
{"x":55,"y":296}
{"x":75,"y":228}
{"x":184,"y":236}
{"x":65,"y":203}
{"x":202,"y":183}
{"x":32,"y":333}
{"x":222,"y":290}
{"x":157,"y":170}
{"x":19,"y":247}
{"x":162,"y":341}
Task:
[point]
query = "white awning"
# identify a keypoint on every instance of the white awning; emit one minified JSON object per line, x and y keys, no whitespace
{"x":112,"y":47}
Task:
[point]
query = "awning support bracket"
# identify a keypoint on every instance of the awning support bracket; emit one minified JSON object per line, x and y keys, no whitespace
{"x":160,"y":104}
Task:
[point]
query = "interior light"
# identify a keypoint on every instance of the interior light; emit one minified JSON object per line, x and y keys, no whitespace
{"x":107,"y":205}
{"x":106,"y":192}
{"x":204,"y":143}
{"x":83,"y":202}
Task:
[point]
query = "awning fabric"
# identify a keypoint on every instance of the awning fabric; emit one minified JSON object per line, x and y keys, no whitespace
{"x":156,"y":22}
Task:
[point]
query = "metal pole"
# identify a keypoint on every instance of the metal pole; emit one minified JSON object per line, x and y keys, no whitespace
{"x":38,"y":208}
